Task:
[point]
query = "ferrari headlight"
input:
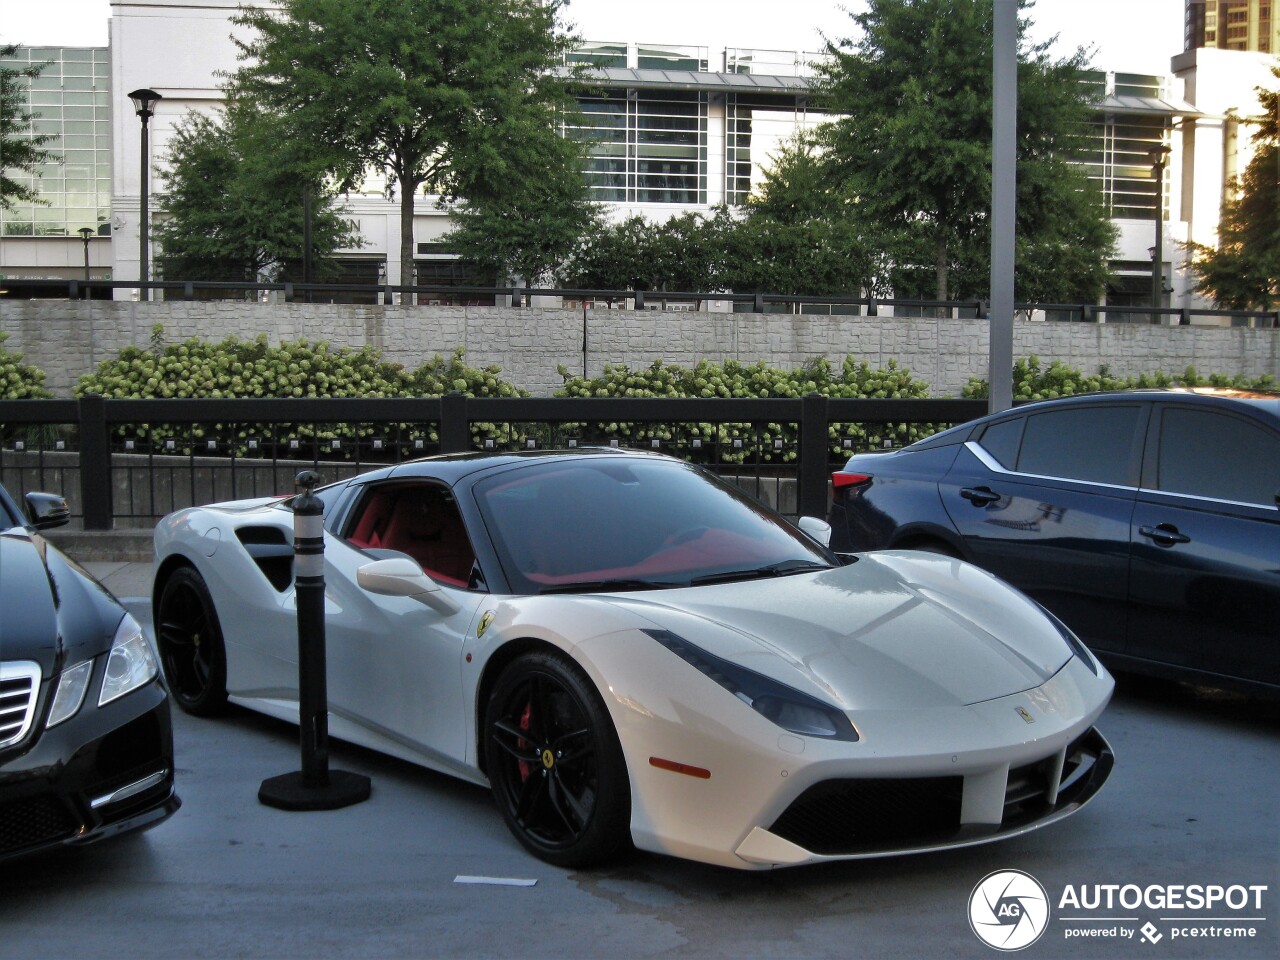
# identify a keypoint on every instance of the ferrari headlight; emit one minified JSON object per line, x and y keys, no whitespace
{"x":131,"y":663}
{"x":70,"y":693}
{"x":792,"y":710}
{"x":1075,"y":643}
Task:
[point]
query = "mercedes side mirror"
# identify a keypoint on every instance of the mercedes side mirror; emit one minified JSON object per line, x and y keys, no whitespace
{"x":47,"y":510}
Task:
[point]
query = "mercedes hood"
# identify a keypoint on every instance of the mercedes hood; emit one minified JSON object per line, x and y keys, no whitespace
{"x":50,"y":611}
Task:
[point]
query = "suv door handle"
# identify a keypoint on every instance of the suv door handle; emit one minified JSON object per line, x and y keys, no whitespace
{"x":979,"y":496}
{"x":1166,"y":534}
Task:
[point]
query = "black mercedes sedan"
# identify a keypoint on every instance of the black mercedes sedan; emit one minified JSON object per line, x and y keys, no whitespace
{"x":1148,"y":521}
{"x":86,"y":742}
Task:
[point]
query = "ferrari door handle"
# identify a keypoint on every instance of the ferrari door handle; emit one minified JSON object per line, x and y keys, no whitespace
{"x":979,"y":496}
{"x":1166,"y":534}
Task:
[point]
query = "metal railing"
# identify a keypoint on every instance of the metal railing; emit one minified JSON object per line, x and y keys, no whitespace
{"x":755,"y":302}
{"x":131,"y":461}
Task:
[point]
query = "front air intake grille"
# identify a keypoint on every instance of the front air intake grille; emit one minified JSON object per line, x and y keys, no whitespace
{"x":19,"y":684}
{"x":1026,"y":796}
{"x":841,"y":817}
{"x":34,"y":821}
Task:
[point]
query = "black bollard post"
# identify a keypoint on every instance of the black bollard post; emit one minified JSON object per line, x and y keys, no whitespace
{"x":315,"y":787}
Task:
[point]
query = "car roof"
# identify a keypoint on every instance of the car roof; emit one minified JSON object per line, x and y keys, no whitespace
{"x":453,"y":467}
{"x":1261,"y":400}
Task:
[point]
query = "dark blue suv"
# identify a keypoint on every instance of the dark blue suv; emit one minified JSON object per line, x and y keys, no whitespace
{"x":1148,"y":521}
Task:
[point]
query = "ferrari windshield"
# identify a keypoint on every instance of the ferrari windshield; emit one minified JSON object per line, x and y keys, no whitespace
{"x":610,"y":523}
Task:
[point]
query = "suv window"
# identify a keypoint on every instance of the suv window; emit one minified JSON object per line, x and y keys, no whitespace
{"x":1209,"y":454}
{"x":1083,"y":443}
{"x":1001,"y":441}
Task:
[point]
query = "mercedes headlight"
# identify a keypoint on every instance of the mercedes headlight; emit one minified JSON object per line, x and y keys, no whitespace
{"x":792,"y":710}
{"x":70,"y":693}
{"x":131,"y":663}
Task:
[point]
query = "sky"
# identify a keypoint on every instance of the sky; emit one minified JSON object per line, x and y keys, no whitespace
{"x":1131,"y":35}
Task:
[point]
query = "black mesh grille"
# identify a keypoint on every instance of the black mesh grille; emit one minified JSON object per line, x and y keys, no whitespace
{"x":858,"y":816}
{"x":36,"y":820}
{"x":1026,"y":796}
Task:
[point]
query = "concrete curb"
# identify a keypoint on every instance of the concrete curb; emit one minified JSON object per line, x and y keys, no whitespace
{"x":128,"y":545}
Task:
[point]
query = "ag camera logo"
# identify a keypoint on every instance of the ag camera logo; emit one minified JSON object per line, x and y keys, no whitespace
{"x":1008,"y":910}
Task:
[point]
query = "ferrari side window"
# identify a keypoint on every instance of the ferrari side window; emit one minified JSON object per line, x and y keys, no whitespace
{"x":421,"y":521}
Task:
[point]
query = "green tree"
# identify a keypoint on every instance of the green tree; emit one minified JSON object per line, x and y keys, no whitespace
{"x":799,"y":236}
{"x":532,"y":227}
{"x":682,"y":254}
{"x":454,"y":96}
{"x":913,"y":145}
{"x":612,"y":256}
{"x":21,"y":151}
{"x":233,"y":202}
{"x":1243,"y":271}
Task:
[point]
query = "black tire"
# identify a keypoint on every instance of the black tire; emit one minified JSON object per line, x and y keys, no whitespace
{"x":192,"y":652}
{"x":555,"y":765}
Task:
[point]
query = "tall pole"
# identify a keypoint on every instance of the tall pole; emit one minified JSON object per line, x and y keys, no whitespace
{"x":85,"y":234}
{"x":144,"y":239}
{"x":1158,"y":154}
{"x":1004,"y":153}
{"x":143,"y":103}
{"x":306,"y":238}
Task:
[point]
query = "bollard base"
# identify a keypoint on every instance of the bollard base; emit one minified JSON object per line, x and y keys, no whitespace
{"x":290,"y":791}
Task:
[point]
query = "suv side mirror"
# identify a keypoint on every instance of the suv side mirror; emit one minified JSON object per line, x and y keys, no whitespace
{"x":46,"y":510}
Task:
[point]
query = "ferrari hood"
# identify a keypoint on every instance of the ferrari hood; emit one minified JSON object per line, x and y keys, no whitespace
{"x":893,"y":630}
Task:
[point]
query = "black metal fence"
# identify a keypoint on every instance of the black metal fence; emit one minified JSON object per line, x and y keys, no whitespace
{"x":755,"y":302}
{"x":129,"y":462}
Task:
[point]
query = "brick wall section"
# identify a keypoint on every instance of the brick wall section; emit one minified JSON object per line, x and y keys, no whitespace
{"x":69,"y":338}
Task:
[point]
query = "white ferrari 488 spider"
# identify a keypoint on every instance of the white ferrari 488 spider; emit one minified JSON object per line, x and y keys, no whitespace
{"x":629,"y":651}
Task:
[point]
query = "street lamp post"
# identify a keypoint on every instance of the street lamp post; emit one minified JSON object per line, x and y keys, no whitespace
{"x":143,"y":102}
{"x":1158,"y":155}
{"x":85,"y":234}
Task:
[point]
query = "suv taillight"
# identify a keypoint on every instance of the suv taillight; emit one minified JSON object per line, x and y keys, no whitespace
{"x":842,"y":480}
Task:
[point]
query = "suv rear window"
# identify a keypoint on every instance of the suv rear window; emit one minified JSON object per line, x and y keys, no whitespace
{"x":1082,"y":443}
{"x":1207,"y":454}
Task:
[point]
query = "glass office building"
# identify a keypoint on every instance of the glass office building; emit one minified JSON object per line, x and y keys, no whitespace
{"x":1233,"y":25}
{"x":667,"y":126}
{"x":71,"y":103}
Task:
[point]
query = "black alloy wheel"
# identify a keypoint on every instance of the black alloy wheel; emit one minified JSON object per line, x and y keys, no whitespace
{"x":555,"y":764}
{"x":191,"y":647}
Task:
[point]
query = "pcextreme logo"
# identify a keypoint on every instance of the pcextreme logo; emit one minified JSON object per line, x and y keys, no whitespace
{"x":1009,"y":910}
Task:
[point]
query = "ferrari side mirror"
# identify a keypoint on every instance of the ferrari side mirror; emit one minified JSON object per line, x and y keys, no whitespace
{"x":402,"y":577}
{"x":816,"y":529}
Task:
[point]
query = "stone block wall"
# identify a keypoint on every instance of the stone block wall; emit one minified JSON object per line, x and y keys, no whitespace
{"x":69,"y":338}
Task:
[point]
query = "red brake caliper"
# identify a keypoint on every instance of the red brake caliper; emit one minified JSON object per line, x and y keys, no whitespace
{"x":525,"y":768}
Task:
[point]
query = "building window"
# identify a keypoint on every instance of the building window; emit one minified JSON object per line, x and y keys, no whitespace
{"x":644,"y":147}
{"x":71,"y":103}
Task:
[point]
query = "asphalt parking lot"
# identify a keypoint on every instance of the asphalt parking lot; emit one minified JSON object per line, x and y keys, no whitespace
{"x":1193,"y":801}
